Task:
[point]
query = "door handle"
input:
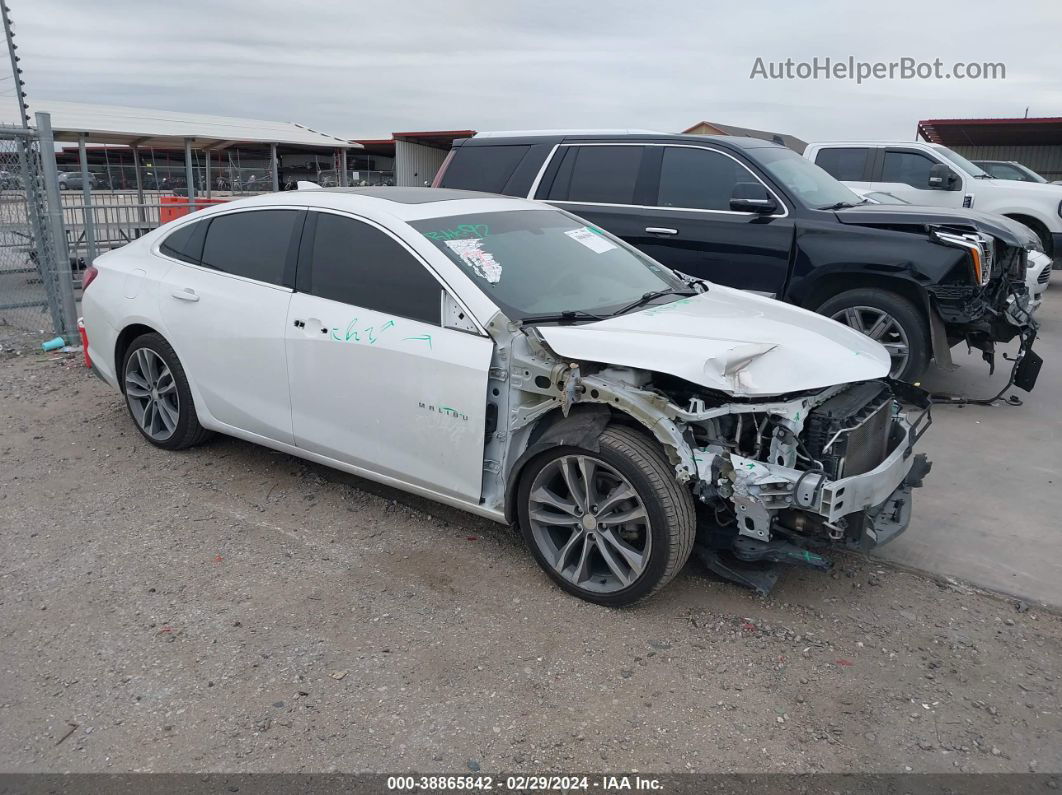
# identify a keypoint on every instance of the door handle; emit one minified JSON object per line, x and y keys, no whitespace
{"x":187,"y":294}
{"x":660,"y":230}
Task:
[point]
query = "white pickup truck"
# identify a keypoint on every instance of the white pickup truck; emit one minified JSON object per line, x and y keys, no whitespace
{"x":933,"y":175}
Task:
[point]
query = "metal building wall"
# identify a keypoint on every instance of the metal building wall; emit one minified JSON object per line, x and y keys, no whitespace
{"x":416,"y":164}
{"x":1045,"y":160}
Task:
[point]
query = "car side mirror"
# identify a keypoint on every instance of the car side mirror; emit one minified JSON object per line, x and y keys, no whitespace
{"x":942,"y":178}
{"x":752,"y":197}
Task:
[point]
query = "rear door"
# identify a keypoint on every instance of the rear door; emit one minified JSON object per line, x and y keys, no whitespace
{"x":377,"y":381}
{"x":673,"y":203}
{"x":225,"y":306}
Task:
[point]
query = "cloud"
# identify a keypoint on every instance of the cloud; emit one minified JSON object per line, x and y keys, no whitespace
{"x":363,"y":70}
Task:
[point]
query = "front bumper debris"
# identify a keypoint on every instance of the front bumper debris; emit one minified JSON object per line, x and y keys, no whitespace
{"x":785,"y":515}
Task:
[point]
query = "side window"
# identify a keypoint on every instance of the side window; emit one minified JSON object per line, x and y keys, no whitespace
{"x":186,"y":243}
{"x":485,"y":168}
{"x":254,"y":244}
{"x":357,"y":264}
{"x":606,"y":174}
{"x":843,"y":163}
{"x":1003,"y":171}
{"x":699,"y":178}
{"x":910,"y":168}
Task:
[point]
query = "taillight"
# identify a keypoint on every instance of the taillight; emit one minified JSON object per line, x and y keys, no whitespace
{"x":90,"y":274}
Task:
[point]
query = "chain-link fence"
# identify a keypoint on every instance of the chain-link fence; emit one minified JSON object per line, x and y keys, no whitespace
{"x":36,"y":280}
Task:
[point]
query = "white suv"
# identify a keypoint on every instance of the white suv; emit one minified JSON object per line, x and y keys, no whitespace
{"x":930,"y":174}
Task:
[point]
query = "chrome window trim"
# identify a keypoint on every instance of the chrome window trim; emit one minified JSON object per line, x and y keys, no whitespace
{"x":541,"y":172}
{"x":156,"y":247}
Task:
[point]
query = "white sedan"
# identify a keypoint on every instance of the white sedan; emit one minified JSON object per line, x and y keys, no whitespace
{"x":504,"y":357}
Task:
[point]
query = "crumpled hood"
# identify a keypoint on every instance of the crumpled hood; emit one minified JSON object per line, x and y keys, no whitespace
{"x":729,"y":340}
{"x":899,"y":214}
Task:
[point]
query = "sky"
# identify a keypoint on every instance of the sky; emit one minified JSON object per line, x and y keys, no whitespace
{"x":363,"y":70}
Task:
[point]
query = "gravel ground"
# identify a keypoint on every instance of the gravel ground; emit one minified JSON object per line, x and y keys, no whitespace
{"x":234,"y":609}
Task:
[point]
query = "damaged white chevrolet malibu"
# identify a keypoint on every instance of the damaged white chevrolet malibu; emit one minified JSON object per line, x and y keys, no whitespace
{"x":504,"y":357}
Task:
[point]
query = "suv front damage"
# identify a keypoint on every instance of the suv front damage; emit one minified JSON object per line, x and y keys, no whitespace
{"x":778,"y":474}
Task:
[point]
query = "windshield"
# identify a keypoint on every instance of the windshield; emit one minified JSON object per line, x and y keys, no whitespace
{"x":816,"y":188}
{"x":541,"y":262}
{"x":1032,"y":175}
{"x":961,"y":162}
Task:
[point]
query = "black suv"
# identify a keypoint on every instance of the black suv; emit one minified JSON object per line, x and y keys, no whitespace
{"x":752,"y":214}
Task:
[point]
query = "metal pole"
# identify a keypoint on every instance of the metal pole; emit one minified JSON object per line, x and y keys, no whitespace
{"x":54,"y":214}
{"x":189,"y":176}
{"x":344,"y":178}
{"x":139,"y":182}
{"x":206,"y":174}
{"x":273,"y":166}
{"x":86,"y":197}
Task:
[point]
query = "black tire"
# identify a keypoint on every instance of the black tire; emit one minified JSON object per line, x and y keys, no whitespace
{"x":187,"y":432}
{"x":669,"y":506}
{"x":909,"y":317}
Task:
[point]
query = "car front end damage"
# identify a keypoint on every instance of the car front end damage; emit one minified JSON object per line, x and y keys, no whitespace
{"x":987,"y":300}
{"x":776,"y":480}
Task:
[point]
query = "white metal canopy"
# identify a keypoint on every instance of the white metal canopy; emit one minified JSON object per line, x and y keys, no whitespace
{"x":146,"y":127}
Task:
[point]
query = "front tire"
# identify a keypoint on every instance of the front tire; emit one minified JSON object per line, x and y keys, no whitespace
{"x":611,"y":527}
{"x":157,"y":394}
{"x":890,"y":319}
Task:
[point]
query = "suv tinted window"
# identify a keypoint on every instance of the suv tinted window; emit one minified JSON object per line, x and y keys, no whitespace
{"x":699,"y":178}
{"x":186,"y":243}
{"x":252,"y":244}
{"x":485,"y":168}
{"x":604,"y":174}
{"x":910,"y":168}
{"x":357,"y":264}
{"x":843,"y":163}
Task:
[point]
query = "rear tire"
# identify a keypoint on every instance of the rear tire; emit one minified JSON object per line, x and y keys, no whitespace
{"x":638,"y":527}
{"x":895,"y":322}
{"x":158,"y":396}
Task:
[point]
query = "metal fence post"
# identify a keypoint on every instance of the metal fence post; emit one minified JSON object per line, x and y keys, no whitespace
{"x":54,"y":221}
{"x":273,"y":167}
{"x":87,"y":214}
{"x":189,"y":175}
{"x":344,"y":176}
{"x":139,"y":181}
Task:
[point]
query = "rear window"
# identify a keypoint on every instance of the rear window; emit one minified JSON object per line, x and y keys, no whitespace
{"x":253,"y":244}
{"x":845,"y":164}
{"x":599,"y":174}
{"x":485,"y":168}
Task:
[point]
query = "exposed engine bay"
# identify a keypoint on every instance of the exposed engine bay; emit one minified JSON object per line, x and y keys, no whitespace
{"x":775,"y":479}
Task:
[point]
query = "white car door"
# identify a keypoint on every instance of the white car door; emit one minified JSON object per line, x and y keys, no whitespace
{"x":905,"y":173}
{"x":376,"y":380}
{"x":225,"y":308}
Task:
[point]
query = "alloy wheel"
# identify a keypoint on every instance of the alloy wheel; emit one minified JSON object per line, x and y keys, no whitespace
{"x":589,"y":523}
{"x":151,"y":392}
{"x":882,"y":327}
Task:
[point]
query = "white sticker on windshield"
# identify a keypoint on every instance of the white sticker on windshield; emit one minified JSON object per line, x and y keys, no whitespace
{"x":481,"y":262}
{"x":592,"y":240}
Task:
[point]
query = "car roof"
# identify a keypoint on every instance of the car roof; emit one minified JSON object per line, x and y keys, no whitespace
{"x":405,"y":204}
{"x":871,"y":143}
{"x":608,"y":136}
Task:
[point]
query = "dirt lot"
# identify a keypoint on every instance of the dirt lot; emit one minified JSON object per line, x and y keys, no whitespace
{"x":234,"y":609}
